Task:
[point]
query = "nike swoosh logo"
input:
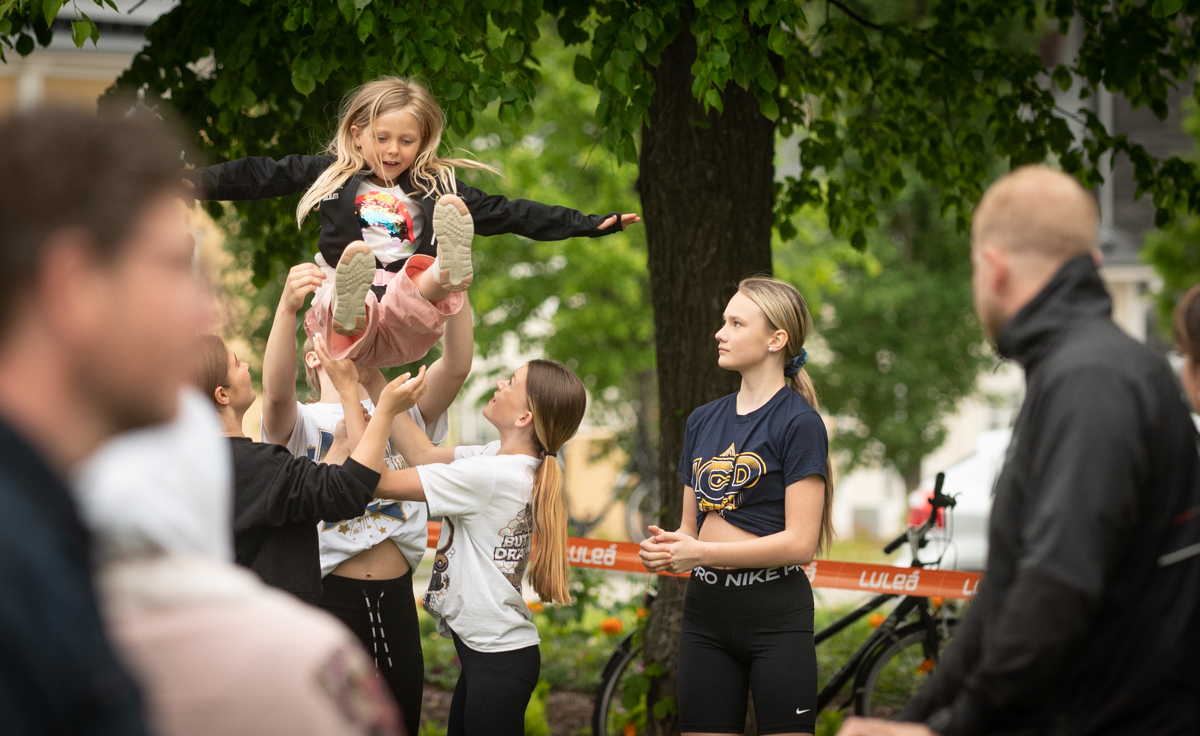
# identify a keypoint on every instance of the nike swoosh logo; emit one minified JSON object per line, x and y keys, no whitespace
{"x":798,"y":711}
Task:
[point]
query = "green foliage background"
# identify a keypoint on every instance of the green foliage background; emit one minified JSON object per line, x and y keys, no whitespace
{"x":1175,"y":251}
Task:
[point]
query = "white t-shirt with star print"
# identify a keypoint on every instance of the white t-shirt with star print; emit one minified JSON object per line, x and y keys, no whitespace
{"x":404,"y":522}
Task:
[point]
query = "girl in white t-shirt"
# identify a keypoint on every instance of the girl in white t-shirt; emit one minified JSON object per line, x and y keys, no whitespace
{"x":366,"y":561}
{"x":493,"y":499}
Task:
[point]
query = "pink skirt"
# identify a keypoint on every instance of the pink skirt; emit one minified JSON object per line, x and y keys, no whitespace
{"x":400,"y":329}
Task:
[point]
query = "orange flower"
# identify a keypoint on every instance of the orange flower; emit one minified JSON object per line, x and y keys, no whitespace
{"x":537,"y":606}
{"x":875,"y":620}
{"x":612,"y":626}
{"x":641,"y":612}
{"x":630,"y":729}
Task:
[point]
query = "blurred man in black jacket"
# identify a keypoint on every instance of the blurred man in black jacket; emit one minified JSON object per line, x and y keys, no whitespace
{"x":99,"y":307}
{"x":1079,"y":626}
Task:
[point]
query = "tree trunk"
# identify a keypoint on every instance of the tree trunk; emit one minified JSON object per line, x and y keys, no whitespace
{"x":707,"y":189}
{"x":912,"y":476}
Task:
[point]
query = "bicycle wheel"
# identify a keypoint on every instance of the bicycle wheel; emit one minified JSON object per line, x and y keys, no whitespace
{"x":897,"y":670}
{"x":620,"y":708}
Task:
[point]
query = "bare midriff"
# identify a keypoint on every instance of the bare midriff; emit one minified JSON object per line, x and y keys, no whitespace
{"x":381,"y":562}
{"x":716,"y":529}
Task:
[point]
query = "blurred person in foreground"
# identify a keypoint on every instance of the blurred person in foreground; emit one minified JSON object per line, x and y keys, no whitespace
{"x":100,"y":308}
{"x":1187,"y":342}
{"x":1085,"y":622}
{"x":214,"y":650}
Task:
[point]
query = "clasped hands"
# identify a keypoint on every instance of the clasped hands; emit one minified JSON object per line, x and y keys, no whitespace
{"x":671,"y":551}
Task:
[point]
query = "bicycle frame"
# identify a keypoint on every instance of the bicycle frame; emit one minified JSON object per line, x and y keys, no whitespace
{"x":894,"y":620}
{"x":915,"y":538}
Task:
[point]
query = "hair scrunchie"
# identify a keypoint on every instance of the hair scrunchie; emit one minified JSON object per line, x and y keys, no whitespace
{"x":793,"y":366}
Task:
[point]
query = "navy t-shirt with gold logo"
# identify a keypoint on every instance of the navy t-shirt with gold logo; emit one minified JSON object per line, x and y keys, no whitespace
{"x":740,"y":465}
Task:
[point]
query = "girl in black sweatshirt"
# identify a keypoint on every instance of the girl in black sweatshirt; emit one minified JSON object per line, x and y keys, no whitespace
{"x":278,"y":498}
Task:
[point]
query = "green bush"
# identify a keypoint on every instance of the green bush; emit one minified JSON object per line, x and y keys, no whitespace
{"x":536,"y":723}
{"x":429,"y":728}
{"x":574,"y":649}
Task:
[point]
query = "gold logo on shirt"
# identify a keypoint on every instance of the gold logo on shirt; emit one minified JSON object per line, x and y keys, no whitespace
{"x":719,"y":482}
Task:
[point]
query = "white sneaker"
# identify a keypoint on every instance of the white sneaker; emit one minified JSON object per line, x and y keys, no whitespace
{"x":454,"y":229}
{"x":355,"y":274}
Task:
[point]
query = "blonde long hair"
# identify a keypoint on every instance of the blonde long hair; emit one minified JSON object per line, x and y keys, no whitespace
{"x":784,"y":308}
{"x":557,"y":399}
{"x":433,"y":175}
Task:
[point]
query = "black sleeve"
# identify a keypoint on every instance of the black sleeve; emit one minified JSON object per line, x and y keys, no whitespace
{"x":257,"y":177}
{"x":960,"y":657}
{"x":805,"y":448}
{"x":685,"y":457}
{"x":1024,"y":653}
{"x":296,"y":489}
{"x":1084,"y":480}
{"x":1085,"y":477}
{"x":495,"y":214}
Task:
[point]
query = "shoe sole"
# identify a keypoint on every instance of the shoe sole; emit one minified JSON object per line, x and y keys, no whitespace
{"x":354,"y":278}
{"x":454,"y":229}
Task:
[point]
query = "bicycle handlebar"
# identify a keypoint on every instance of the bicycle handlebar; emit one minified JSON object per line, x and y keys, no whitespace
{"x":937,"y":501}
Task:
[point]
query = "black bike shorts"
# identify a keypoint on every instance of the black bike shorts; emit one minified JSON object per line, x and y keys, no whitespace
{"x":748,"y":630}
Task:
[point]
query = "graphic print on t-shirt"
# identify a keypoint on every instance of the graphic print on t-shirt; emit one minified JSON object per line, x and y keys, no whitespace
{"x":317,"y":452}
{"x":382,"y":215}
{"x":440,"y":580}
{"x":513,"y":553}
{"x":377,"y":513}
{"x":721,"y":480}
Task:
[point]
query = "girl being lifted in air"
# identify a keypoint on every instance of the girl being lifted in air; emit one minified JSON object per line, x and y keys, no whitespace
{"x":391,"y":210}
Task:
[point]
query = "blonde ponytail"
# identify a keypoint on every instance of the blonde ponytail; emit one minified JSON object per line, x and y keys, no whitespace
{"x":784,"y":308}
{"x":557,"y":400}
{"x":548,"y":562}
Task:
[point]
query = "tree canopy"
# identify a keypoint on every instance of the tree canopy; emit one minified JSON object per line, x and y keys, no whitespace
{"x":874,"y":91}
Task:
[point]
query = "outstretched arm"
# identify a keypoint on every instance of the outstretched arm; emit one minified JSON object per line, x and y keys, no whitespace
{"x":256,"y":177}
{"x":344,"y":375}
{"x":449,"y":372}
{"x":398,"y":396}
{"x":495,"y":214}
{"x":414,"y":445}
{"x":279,"y":359}
{"x":373,"y":380}
{"x":400,"y":485}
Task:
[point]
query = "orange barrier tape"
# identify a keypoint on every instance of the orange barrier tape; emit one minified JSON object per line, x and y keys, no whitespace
{"x":623,"y":557}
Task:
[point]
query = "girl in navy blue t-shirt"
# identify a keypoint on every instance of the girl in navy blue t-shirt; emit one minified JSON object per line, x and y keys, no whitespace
{"x":757,"y":506}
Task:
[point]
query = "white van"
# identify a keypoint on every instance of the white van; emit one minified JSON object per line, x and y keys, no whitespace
{"x":960,"y":538}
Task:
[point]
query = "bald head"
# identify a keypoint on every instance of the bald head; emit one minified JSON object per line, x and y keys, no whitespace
{"x":1039,"y":211}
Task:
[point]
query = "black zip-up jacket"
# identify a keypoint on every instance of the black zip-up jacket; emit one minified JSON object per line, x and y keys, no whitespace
{"x":260,"y":177}
{"x":1077,"y":629}
{"x":277,"y":501}
{"x":58,"y":674}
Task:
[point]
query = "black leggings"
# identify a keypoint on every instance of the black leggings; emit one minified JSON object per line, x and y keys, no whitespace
{"x":493,"y":691}
{"x":748,"y":630}
{"x":383,"y":615}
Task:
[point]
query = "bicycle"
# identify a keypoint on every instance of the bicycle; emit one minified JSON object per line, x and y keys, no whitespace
{"x":882,"y":668}
{"x":627,"y":488}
